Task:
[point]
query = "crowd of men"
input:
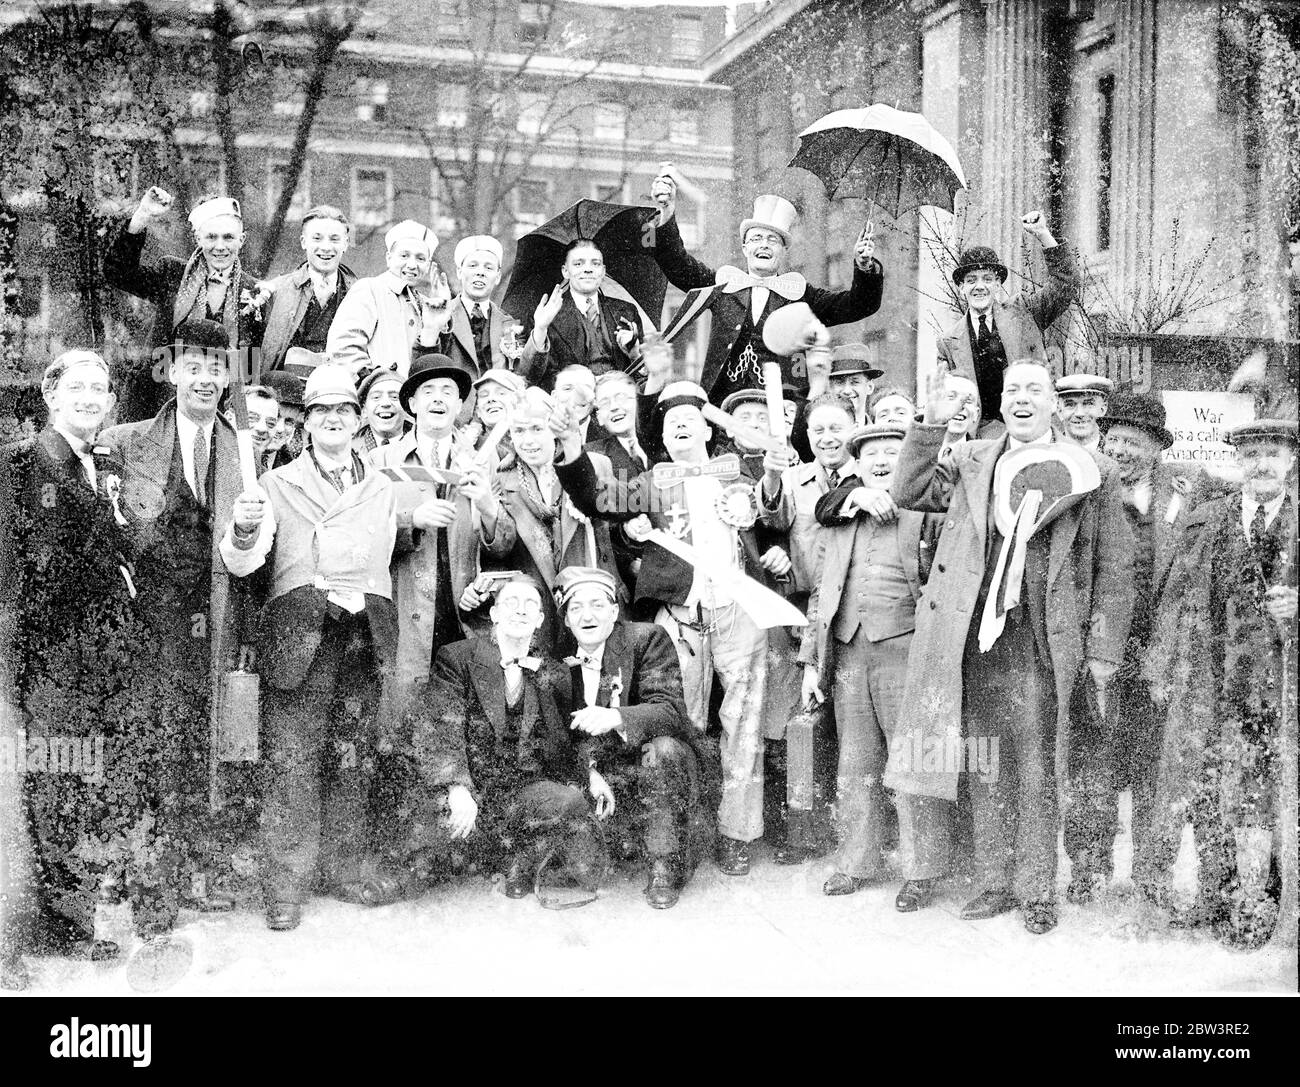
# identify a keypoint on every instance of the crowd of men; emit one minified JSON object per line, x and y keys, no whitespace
{"x":362,"y":581}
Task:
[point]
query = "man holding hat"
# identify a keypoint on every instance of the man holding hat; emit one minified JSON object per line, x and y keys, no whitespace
{"x":210,"y":286}
{"x":1030,"y":586}
{"x":321,"y":531}
{"x":741,"y":301}
{"x":710,"y":507}
{"x":304,"y":302}
{"x":634,"y":733}
{"x":448,"y":506}
{"x":477,"y":326}
{"x":1122,"y":749}
{"x":180,"y":478}
{"x":863,"y":610}
{"x":1223,"y":648}
{"x":1083,"y":400}
{"x":990,"y":334}
{"x":388,"y":319}
{"x":382,"y":418}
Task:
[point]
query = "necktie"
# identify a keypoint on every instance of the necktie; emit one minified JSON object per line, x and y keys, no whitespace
{"x":982,"y":336}
{"x":832,"y":479}
{"x":200,"y":466}
{"x":593,"y":315}
{"x":335,"y":476}
{"x":514,"y":679}
{"x":1258,"y":529}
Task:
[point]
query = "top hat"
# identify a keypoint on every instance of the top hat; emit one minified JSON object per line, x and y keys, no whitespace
{"x":853,"y":358}
{"x":1264,"y":430}
{"x":1142,"y":410}
{"x":426,"y":368}
{"x":775,"y":213}
{"x":976,"y":257}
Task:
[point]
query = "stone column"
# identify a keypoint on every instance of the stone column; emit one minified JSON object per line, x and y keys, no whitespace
{"x":1132,"y":155}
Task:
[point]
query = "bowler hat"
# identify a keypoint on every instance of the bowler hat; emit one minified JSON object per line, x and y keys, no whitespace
{"x":977,"y":257}
{"x":201,"y":334}
{"x":426,"y":368}
{"x":288,"y":387}
{"x":1141,"y":410}
{"x":1264,"y":430}
{"x":853,"y":358}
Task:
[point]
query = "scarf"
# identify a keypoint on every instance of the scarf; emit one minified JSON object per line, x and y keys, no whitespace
{"x":193,"y":291}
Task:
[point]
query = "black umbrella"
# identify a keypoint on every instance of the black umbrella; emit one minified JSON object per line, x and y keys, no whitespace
{"x":623,"y":232}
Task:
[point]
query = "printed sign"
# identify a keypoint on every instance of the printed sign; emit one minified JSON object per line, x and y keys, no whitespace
{"x":1198,"y":421}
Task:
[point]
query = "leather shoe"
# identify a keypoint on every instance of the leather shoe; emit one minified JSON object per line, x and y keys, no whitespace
{"x":841,"y":883}
{"x":733,"y":857}
{"x":915,"y":894}
{"x":662,"y":892}
{"x":519,"y":877}
{"x":1040,"y":917}
{"x":989,"y":904}
{"x":283,"y":916}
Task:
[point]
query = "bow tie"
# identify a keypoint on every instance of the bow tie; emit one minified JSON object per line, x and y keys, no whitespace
{"x":584,"y":660}
{"x":531,"y":663}
{"x":789,"y":285}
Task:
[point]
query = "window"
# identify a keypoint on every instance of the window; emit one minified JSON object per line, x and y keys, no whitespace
{"x":449,"y":198}
{"x":372,"y":196}
{"x":202,"y":103}
{"x":610,"y":122}
{"x":372,"y":100}
{"x":531,"y":118}
{"x":453,"y":105}
{"x":277,"y":174}
{"x":687,"y":37}
{"x":534,"y":21}
{"x":684,"y":128}
{"x":611,"y":192}
{"x":532,"y":204}
{"x":1105,"y":144}
{"x":451,"y":19}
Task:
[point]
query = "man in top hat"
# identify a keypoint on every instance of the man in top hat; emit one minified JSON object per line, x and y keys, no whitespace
{"x":1023,"y":596}
{"x":493,"y":743}
{"x":180,"y":479}
{"x":303,"y":303}
{"x":741,"y":301}
{"x":853,"y":376}
{"x":286,"y":440}
{"x":634,"y":733}
{"x":1122,"y":748}
{"x":1223,"y":648}
{"x":714,"y":512}
{"x":990,"y":334}
{"x":210,"y":286}
{"x":387,"y":320}
{"x":477,"y":326}
{"x":579,"y":324}
{"x":1083,"y":399}
{"x":320,"y":533}
{"x":382,"y":418}
{"x":441,"y":524}
{"x":550,"y":533}
{"x":66,"y":595}
{"x":863,"y":609}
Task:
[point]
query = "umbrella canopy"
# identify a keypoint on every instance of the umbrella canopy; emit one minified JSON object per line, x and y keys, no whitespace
{"x":891,"y":157}
{"x":624,"y":234}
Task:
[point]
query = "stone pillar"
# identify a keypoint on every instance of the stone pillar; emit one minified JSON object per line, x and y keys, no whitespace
{"x":1133,"y":153}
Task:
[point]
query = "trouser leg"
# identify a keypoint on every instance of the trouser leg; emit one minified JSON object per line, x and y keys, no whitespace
{"x":739,"y":651}
{"x":859,"y":805}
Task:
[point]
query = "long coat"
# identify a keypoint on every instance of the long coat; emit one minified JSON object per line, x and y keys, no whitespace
{"x":1088,"y":607}
{"x":415,"y":562}
{"x":145,"y":451}
{"x":291,"y":295}
{"x":376,"y":324}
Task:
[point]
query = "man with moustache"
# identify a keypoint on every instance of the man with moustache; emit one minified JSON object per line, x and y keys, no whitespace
{"x":875,"y":560}
{"x":1224,"y":636}
{"x":389,"y":319}
{"x":66,"y":595}
{"x":477,"y":326}
{"x":1083,"y":399}
{"x":211,"y":285}
{"x":1123,"y":750}
{"x":180,"y":478}
{"x":634,"y":733}
{"x":304,"y":302}
{"x":992,"y":334}
{"x":441,"y":527}
{"x":853,"y":376}
{"x":996,"y":656}
{"x":382,"y":418}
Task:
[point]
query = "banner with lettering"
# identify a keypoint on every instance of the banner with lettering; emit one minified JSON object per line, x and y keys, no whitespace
{"x":1198,"y":421}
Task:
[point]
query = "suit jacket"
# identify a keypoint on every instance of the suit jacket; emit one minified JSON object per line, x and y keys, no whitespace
{"x":627,"y":552}
{"x":1088,"y":606}
{"x":415,"y":560}
{"x":793,"y":513}
{"x":462,"y":721}
{"x":567,"y":343}
{"x":457,"y":341}
{"x":145,"y":452}
{"x":1021,"y":322}
{"x":291,"y":295}
{"x":730,"y":311}
{"x":640,"y":661}
{"x":1177,"y":489}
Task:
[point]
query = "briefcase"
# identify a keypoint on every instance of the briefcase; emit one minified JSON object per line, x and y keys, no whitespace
{"x":237,"y":717}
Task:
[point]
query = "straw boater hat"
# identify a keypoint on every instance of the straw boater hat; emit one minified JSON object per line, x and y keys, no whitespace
{"x":773,"y":212}
{"x":1141,"y":410}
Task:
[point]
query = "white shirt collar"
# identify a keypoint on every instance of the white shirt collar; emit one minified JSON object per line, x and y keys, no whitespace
{"x":1043,"y":439}
{"x":469,"y":304}
{"x":78,"y":445}
{"x":974,"y":320}
{"x":186,"y":428}
{"x":322,"y":284}
{"x":1249,"y":506}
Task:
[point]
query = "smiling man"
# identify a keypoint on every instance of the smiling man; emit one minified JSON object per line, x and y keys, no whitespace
{"x":382,"y":418}
{"x":1083,"y":400}
{"x":853,"y":376}
{"x":477,"y":326}
{"x":992,"y":663}
{"x":263,"y":419}
{"x":304,"y":302}
{"x":892,"y":407}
